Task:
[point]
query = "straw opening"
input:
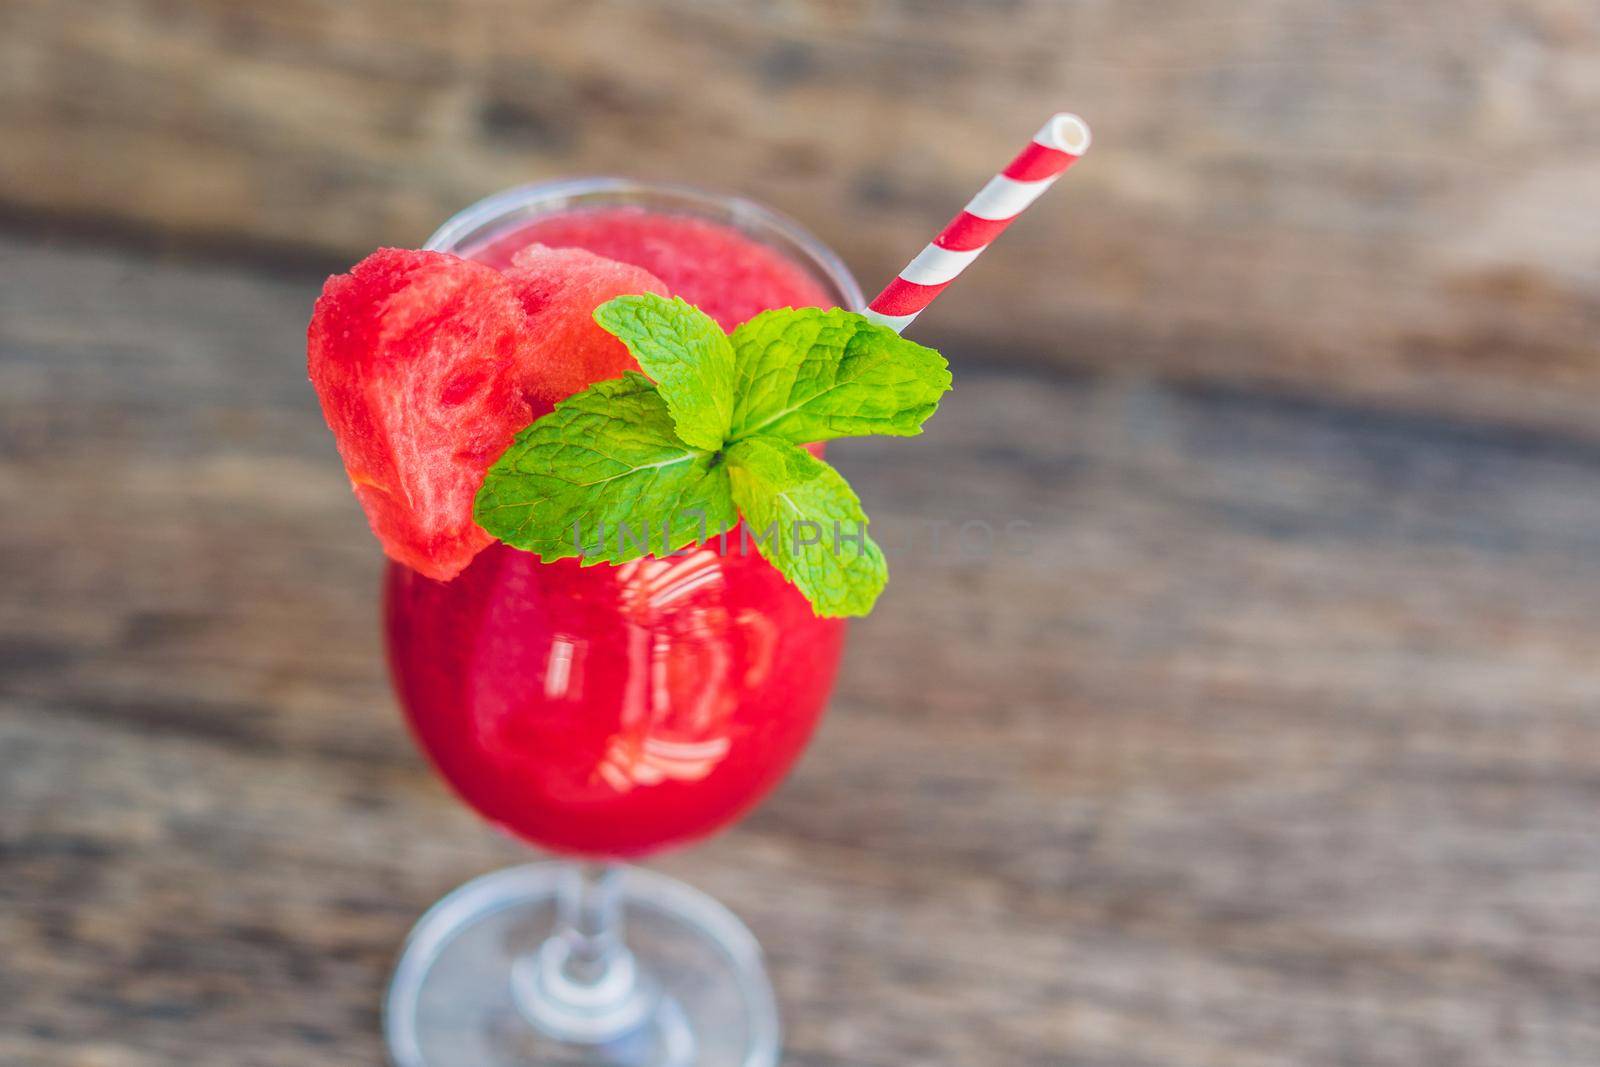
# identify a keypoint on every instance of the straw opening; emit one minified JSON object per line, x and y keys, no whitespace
{"x":1068,"y":132}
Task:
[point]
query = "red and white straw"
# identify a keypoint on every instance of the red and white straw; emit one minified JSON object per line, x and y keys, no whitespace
{"x":1056,"y":146}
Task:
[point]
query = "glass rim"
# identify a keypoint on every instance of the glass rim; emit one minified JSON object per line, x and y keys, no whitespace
{"x":742,"y":213}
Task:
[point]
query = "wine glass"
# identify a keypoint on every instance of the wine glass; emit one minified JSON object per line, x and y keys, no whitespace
{"x":602,"y":713}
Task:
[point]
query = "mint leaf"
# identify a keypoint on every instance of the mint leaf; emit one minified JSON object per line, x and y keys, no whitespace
{"x":808,"y":523}
{"x":687,"y":354}
{"x":607,"y":460}
{"x":810,"y":375}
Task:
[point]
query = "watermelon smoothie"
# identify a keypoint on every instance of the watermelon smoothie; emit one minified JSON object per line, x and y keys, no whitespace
{"x":610,"y":711}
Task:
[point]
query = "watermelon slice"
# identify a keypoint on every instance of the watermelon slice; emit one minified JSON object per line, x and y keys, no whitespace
{"x":415,"y":358}
{"x":428,"y":364}
{"x":560,"y":288}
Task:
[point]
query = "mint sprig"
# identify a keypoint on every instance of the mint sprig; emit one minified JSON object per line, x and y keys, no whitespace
{"x":633,"y":467}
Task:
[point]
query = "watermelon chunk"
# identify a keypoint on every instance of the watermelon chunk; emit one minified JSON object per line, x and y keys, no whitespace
{"x":416,"y":359}
{"x":427,"y":365}
{"x":560,"y":288}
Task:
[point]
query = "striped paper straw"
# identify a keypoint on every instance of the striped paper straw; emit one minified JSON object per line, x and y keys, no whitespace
{"x":1056,"y":146}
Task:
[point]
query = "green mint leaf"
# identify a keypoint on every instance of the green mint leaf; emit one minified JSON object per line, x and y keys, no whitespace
{"x":605,"y":477}
{"x":807,"y":522}
{"x":810,"y":375}
{"x":687,"y":354}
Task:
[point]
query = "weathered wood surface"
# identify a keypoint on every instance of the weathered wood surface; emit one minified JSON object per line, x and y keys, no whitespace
{"x":1281,"y":748}
{"x":1380,"y":200}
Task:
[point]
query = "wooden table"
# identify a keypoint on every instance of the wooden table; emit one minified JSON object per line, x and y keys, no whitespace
{"x":1280,"y":745}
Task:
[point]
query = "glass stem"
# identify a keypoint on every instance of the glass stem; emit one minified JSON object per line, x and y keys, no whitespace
{"x":589,"y":920}
{"x":581,"y":984}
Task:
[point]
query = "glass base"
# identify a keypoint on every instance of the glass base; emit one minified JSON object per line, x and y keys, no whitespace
{"x":483,"y":983}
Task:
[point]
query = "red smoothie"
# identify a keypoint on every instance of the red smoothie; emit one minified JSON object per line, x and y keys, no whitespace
{"x":614,"y":710}
{"x":719,"y":270}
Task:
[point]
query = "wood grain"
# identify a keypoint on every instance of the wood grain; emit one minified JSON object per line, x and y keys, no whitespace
{"x":1278,"y":747}
{"x":1394,"y":203}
